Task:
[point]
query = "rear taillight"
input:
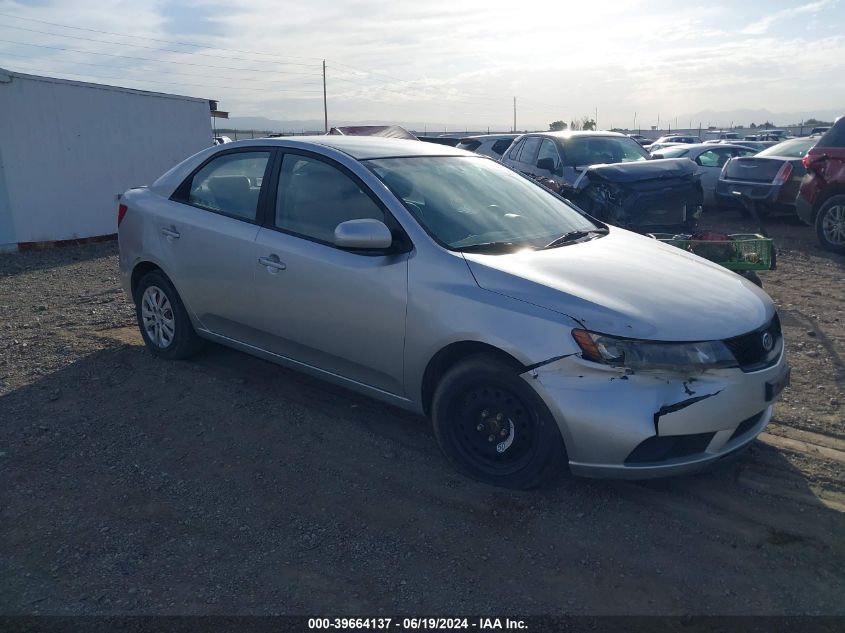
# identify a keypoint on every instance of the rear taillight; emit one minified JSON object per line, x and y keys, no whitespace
{"x":806,"y":161}
{"x":121,"y":213}
{"x":783,"y":174}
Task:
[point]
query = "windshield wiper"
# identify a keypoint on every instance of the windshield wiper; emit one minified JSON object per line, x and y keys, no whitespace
{"x":500,"y":247}
{"x":575,"y":235}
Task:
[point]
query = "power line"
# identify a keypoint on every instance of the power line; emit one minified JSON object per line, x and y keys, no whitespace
{"x":151,"y":48}
{"x":159,"y":61}
{"x":152,"y":39}
{"x":169,"y":83}
{"x":165,"y":72}
{"x":378,"y":76}
{"x":406,"y":93}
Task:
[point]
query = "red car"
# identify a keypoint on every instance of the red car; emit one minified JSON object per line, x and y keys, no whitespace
{"x":821,"y":199}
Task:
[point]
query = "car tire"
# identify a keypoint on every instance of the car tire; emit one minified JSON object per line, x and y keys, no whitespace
{"x":830,"y":224}
{"x":164,"y":323}
{"x":753,"y":277}
{"x":494,"y":428}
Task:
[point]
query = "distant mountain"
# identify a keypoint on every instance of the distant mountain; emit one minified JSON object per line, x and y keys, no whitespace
{"x":263,"y":124}
{"x":746,"y":117}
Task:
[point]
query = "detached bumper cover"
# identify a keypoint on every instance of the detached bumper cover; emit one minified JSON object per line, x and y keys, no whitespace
{"x":654,"y":424}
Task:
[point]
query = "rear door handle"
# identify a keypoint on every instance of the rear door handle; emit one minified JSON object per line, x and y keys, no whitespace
{"x":171,"y":233}
{"x":272,"y":263}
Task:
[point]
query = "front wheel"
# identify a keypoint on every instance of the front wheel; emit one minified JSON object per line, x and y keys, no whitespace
{"x":830,"y":225}
{"x":493,"y":427}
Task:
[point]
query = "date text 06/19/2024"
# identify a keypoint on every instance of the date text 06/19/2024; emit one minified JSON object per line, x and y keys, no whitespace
{"x":417,"y":624}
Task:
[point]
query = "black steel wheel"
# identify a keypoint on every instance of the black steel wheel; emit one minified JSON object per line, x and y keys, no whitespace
{"x":493,"y":427}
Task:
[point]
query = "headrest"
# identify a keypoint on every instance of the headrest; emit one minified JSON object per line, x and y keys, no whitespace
{"x":229,"y":187}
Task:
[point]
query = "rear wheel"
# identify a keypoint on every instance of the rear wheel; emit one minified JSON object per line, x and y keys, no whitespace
{"x":494,"y":428}
{"x":830,"y":224}
{"x":162,"y":318}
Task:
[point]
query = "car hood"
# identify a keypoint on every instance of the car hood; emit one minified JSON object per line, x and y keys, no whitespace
{"x":657,"y":169}
{"x":629,"y":285}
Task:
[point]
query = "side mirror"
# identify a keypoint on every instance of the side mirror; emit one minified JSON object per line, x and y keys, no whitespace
{"x":657,"y":155}
{"x":365,"y":234}
{"x":546,"y":163}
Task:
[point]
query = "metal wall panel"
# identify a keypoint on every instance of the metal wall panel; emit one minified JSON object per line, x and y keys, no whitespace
{"x":68,"y":148}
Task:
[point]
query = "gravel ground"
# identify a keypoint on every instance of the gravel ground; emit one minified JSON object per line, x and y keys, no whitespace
{"x":227,"y":485}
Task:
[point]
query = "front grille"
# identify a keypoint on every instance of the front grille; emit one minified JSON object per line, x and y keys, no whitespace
{"x":746,"y":425}
{"x":748,"y":348}
{"x":658,"y":449}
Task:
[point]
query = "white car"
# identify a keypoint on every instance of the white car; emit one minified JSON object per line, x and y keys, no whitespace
{"x":492,"y":145}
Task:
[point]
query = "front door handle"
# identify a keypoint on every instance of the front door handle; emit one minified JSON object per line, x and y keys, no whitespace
{"x":272,"y":263}
{"x":170,"y":232}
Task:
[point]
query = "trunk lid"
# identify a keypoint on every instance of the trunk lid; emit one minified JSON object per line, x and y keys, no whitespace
{"x":753,"y":168}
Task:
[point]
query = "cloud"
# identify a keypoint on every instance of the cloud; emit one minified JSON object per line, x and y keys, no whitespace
{"x":458,"y":61}
{"x":764,"y":24}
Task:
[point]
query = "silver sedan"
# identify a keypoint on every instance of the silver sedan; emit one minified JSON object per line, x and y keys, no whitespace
{"x":440,"y":281}
{"x":710,"y":159}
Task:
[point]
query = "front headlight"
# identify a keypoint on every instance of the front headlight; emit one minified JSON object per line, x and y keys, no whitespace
{"x":639,"y":355}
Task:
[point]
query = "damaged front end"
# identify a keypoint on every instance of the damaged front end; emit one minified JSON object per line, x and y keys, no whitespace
{"x":639,"y":409}
{"x":648,"y":196}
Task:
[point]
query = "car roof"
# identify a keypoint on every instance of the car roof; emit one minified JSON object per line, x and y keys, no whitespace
{"x":694,"y":147}
{"x":565,"y":134}
{"x":359,"y":147}
{"x":481,"y":137}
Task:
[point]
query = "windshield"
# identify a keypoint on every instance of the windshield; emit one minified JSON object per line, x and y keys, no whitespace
{"x":468,"y":202}
{"x":582,"y":151}
{"x":793,"y":149}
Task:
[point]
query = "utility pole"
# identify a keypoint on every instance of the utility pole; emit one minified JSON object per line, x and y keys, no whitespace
{"x":325,"y":105}
{"x":514,"y":115}
{"x":596,"y":120}
{"x":635,"y":122}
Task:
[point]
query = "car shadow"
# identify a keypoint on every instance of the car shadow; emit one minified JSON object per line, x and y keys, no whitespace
{"x":227,"y":484}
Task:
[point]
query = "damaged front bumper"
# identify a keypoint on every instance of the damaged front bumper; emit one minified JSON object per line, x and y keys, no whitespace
{"x":626,"y":425}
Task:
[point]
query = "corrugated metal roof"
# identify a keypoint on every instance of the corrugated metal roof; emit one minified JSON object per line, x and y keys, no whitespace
{"x":7,"y":76}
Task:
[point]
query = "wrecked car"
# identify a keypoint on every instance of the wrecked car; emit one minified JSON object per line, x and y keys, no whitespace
{"x":614,"y":179}
{"x":535,"y":338}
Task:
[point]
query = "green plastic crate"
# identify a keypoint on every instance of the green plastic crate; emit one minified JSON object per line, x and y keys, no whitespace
{"x":743,"y":251}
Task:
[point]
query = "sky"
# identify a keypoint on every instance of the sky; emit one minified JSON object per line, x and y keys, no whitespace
{"x":453,"y":63}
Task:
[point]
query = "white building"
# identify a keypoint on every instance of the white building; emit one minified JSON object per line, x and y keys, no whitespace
{"x":67,"y":148}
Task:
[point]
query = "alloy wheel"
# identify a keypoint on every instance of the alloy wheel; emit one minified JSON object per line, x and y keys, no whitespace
{"x":833,"y":225}
{"x":157,"y":317}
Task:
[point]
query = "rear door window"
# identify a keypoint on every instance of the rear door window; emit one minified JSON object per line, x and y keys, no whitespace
{"x":229,"y":184}
{"x":714,"y":157}
{"x":501,"y":145}
{"x":529,"y":150}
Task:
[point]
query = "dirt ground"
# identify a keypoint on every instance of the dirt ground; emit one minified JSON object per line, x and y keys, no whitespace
{"x":228,"y":485}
